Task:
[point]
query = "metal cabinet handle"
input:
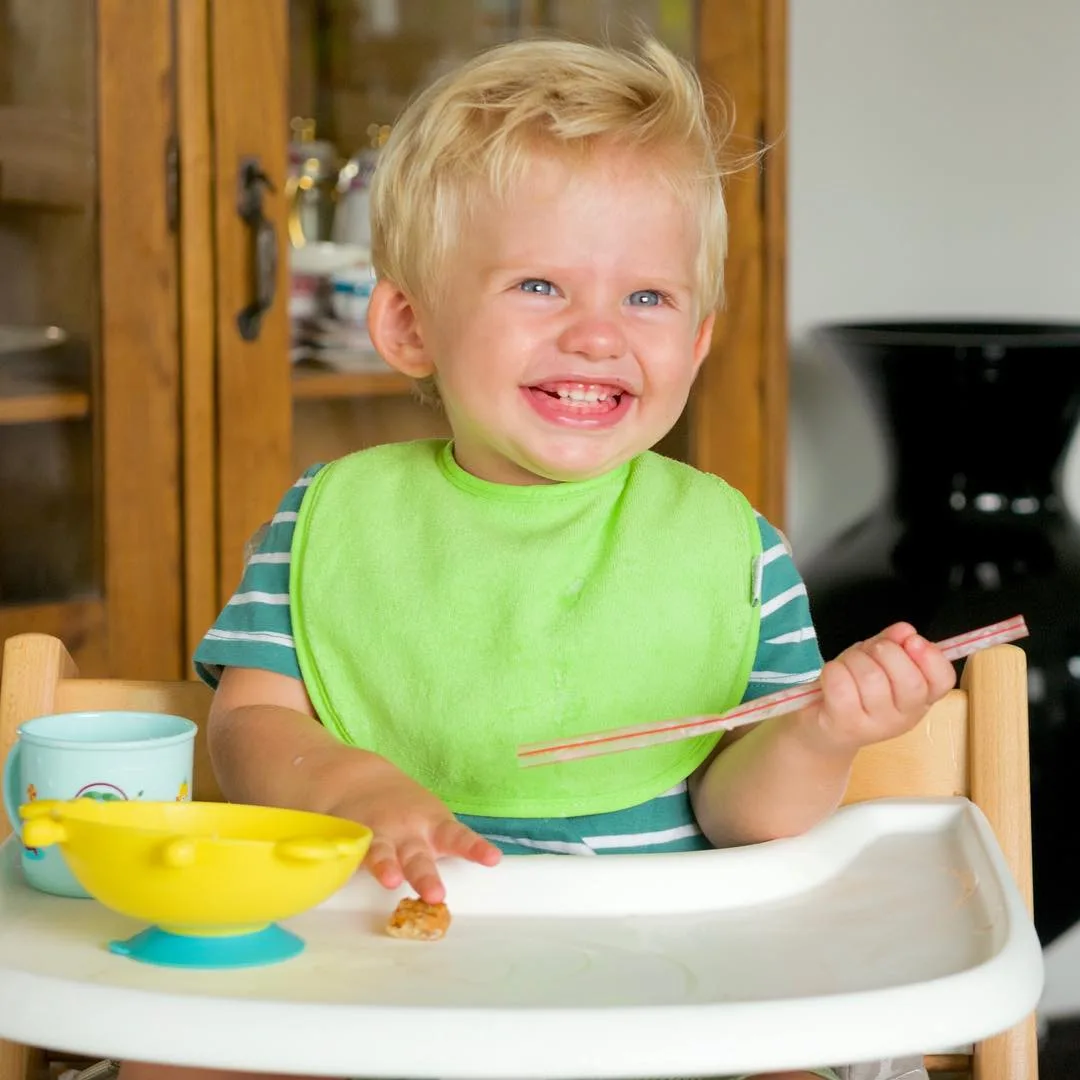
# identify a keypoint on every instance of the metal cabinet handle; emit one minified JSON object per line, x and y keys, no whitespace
{"x":251,"y":183}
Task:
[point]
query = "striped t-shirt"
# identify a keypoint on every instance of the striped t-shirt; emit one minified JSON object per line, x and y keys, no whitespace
{"x":255,"y":631}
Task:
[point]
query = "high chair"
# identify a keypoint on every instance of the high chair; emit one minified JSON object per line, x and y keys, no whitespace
{"x":973,"y":743}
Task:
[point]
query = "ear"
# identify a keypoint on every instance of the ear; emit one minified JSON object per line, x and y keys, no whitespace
{"x":703,"y":340}
{"x":395,"y":331}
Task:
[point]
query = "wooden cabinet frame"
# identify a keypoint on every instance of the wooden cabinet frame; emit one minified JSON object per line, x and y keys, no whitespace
{"x":135,"y":624}
{"x":739,"y":408}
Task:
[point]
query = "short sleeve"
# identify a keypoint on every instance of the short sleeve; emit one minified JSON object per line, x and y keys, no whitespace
{"x":254,"y":630}
{"x":788,"y":653}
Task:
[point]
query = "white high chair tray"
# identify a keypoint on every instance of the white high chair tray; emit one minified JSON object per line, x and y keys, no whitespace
{"x":892,"y":928}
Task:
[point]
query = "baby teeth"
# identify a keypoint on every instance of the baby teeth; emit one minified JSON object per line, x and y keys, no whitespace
{"x":583,"y":395}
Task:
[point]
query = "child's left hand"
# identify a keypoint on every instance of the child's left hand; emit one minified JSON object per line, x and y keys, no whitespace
{"x":877,"y":690}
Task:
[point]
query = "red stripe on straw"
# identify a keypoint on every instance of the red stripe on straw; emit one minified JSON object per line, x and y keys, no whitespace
{"x":784,"y":701}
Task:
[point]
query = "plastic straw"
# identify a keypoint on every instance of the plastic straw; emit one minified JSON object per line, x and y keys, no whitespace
{"x":784,"y":701}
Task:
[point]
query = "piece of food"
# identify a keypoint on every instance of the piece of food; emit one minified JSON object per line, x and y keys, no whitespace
{"x":416,"y":921}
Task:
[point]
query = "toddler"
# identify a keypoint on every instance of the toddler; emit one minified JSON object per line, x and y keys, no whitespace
{"x":548,"y":233}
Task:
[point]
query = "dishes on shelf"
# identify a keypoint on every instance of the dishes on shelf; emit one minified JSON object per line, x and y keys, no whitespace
{"x":339,"y":345}
{"x":328,"y":316}
{"x":324,"y":258}
{"x":330,"y":286}
{"x":350,"y":292}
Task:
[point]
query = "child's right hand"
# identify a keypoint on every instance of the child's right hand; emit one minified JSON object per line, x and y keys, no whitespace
{"x":413,"y":830}
{"x":268,"y":748}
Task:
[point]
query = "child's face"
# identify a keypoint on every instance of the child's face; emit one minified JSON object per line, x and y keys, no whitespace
{"x":567,"y":335}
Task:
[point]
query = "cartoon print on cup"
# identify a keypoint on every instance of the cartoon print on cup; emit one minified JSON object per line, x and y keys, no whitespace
{"x":102,"y":792}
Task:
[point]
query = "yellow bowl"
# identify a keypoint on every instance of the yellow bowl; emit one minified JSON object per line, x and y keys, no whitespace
{"x":198,"y":868}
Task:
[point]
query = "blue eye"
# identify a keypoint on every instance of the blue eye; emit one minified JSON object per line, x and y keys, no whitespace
{"x":645,"y":298}
{"x":538,"y":286}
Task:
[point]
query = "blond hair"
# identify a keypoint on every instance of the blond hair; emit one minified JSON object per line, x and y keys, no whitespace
{"x":470,"y":135}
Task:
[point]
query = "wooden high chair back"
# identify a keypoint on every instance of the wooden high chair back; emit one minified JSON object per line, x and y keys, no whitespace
{"x":974,"y":743}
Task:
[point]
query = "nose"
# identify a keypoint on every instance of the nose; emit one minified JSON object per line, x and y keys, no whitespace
{"x":593,"y":336}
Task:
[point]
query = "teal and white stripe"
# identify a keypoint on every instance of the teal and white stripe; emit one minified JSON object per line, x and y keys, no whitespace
{"x":255,"y":630}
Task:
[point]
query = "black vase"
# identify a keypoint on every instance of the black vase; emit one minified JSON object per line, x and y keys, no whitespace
{"x":978,"y":417}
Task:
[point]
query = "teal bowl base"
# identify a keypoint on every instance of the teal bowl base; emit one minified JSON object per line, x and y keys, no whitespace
{"x":153,"y":946}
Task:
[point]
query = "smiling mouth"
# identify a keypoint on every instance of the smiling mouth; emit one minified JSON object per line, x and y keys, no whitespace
{"x":584,"y":398}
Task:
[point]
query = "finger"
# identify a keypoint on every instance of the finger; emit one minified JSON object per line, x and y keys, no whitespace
{"x":484,"y":853}
{"x":939,"y":672}
{"x":839,"y":689}
{"x":898,"y":633}
{"x":871,"y":680}
{"x":910,"y":687}
{"x":383,"y":864}
{"x":418,"y":863}
{"x":454,"y":838}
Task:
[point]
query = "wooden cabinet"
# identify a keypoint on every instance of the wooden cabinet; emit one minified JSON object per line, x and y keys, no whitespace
{"x":90,"y":510}
{"x":138,"y":455}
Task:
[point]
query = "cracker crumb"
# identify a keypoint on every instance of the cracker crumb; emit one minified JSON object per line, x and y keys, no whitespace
{"x":415,"y":920}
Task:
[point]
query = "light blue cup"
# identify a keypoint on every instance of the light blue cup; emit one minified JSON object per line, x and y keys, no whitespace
{"x":94,"y":755}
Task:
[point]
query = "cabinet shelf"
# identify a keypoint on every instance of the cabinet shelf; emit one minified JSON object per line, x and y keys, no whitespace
{"x":26,"y":399}
{"x":311,"y":383}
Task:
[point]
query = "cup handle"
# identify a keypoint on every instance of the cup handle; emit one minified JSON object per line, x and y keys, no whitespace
{"x":10,"y":782}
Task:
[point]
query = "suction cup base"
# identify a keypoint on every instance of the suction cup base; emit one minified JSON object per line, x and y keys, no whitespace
{"x":155,"y":946}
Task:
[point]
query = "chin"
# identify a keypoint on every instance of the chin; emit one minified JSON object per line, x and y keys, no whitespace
{"x":565,"y":472}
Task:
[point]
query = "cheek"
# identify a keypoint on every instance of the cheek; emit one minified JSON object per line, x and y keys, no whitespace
{"x":672,"y":365}
{"x":476,"y":339}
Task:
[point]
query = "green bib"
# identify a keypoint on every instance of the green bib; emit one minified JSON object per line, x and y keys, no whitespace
{"x":442,"y":620}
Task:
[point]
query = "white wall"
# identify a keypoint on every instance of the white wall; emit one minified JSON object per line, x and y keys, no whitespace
{"x":934,"y":150}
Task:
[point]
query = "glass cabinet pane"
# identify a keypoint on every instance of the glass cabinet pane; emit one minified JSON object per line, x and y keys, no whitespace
{"x":49,"y":524}
{"x":354,"y":64}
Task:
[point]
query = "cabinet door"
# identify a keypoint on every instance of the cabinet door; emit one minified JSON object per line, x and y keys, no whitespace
{"x":89,"y":496}
{"x":310,"y":85}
